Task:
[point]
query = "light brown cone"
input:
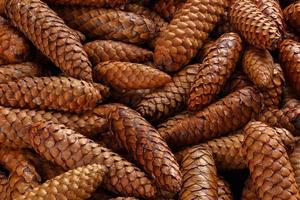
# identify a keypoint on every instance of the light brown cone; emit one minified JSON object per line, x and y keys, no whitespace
{"x":14,"y":47}
{"x":236,"y":82}
{"x":291,"y":15}
{"x":76,"y":184}
{"x":109,"y":50}
{"x":186,"y":33}
{"x":129,"y":76}
{"x":123,"y":177}
{"x":224,"y":191}
{"x":200,"y":178}
{"x":167,"y":8}
{"x":97,"y":3}
{"x":268,"y":162}
{"x":109,"y":24}
{"x":59,"y":93}
{"x":52,"y":37}
{"x":217,"y":68}
{"x":245,"y":16}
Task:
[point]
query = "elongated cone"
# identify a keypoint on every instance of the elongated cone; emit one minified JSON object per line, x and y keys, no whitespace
{"x":226,"y":115}
{"x":16,"y":71}
{"x":171,"y":98}
{"x":145,"y":144}
{"x":224,"y":191}
{"x":124,"y":198}
{"x":259,"y":66}
{"x":123,"y":177}
{"x":23,"y":176}
{"x":145,"y":11}
{"x":52,"y":37}
{"x":167,"y":8}
{"x":291,"y":14}
{"x":60,"y":93}
{"x":272,"y":9}
{"x":107,"y":50}
{"x":295,"y":161}
{"x":128,"y":76}
{"x":186,"y":33}
{"x":268,"y":163}
{"x":290,"y":59}
{"x":249,"y":192}
{"x":14,"y":47}
{"x":97,"y":3}
{"x":200,"y":178}
{"x":245,"y":17}
{"x":13,"y":121}
{"x":236,"y":82}
{"x":109,"y":24}
{"x":76,"y":184}
{"x":217,"y":68}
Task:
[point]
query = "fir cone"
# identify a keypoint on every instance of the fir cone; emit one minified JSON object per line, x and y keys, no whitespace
{"x":97,"y":3}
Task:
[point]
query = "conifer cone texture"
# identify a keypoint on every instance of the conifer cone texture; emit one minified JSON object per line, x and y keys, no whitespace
{"x":109,"y":50}
{"x":268,"y":162}
{"x":295,"y":162}
{"x":290,"y":60}
{"x":224,"y":116}
{"x":50,"y":35}
{"x":291,"y":14}
{"x":186,"y":33}
{"x":249,"y":191}
{"x":199,"y":175}
{"x":60,"y":93}
{"x":128,"y":76}
{"x":148,"y":148}
{"x":254,"y":26}
{"x":14,"y":47}
{"x":218,"y":66}
{"x":97,"y":3}
{"x":171,"y":98}
{"x":224,"y":192}
{"x":167,"y":8}
{"x":109,"y":24}
{"x":78,"y":183}
{"x":70,"y":149}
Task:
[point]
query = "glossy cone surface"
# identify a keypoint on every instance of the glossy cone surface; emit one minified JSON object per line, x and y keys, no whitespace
{"x":109,"y":24}
{"x":290,"y":60}
{"x":122,"y":177}
{"x":254,"y":26}
{"x":76,"y":184}
{"x":218,"y":65}
{"x":200,"y":179}
{"x":295,"y":161}
{"x":171,"y":98}
{"x":268,"y":162}
{"x":145,"y":145}
{"x":107,"y":50}
{"x":186,"y":33}
{"x":125,"y":75}
{"x":52,"y":37}
{"x":291,"y":14}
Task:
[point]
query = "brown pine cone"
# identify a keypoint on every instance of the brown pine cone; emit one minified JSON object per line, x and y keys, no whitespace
{"x":70,"y":149}
{"x":224,"y":191}
{"x":109,"y":24}
{"x":249,"y":192}
{"x":217,"y":68}
{"x":3,"y":185}
{"x":96,"y":3}
{"x":78,"y":183}
{"x":60,"y":93}
{"x":254,"y":25}
{"x":295,"y":162}
{"x":57,"y":41}
{"x":23,"y":176}
{"x":226,"y":115}
{"x":186,"y":33}
{"x":16,"y":71}
{"x":171,"y":98}
{"x":224,"y":26}
{"x":108,"y":50}
{"x":272,"y":9}
{"x":290,"y":58}
{"x":145,"y":144}
{"x":205,"y":50}
{"x":291,"y":14}
{"x":200,"y":180}
{"x":13,"y":121}
{"x":270,"y":170}
{"x":14,"y":47}
{"x":236,"y":82}
{"x":130,"y":76}
{"x":167,"y":8}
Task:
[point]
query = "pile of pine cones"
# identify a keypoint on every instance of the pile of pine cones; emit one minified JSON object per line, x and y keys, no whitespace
{"x":149,"y":99}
